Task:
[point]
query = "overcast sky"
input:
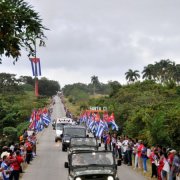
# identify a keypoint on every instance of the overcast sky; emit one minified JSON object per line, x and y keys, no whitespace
{"x":103,"y":38}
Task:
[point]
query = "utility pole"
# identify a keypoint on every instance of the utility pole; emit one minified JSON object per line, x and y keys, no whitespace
{"x":36,"y":77}
{"x":36,"y":69}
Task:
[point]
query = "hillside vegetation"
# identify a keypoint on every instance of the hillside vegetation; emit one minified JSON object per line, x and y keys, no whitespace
{"x":146,"y":110}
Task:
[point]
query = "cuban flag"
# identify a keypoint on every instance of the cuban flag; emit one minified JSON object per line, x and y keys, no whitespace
{"x":81,"y":118}
{"x":84,"y":118}
{"x":32,"y":120}
{"x":106,"y":128}
{"x":32,"y":125}
{"x":105,"y":116}
{"x":37,"y":127}
{"x":96,"y":126}
{"x":46,"y":119}
{"x":36,"y":66}
{"x":100,"y":129}
{"x":111,"y":121}
{"x":91,"y":124}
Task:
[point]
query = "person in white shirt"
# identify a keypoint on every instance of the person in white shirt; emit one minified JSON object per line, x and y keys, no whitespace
{"x":135,"y":154}
{"x":125,"y":146}
{"x":119,"y":147}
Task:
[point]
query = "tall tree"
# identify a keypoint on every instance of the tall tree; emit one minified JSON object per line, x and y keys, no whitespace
{"x":20,"y":25}
{"x":27,"y":80}
{"x":95,"y":82}
{"x":148,"y":72}
{"x":115,"y":86}
{"x":9,"y":83}
{"x":131,"y":75}
{"x":48,"y":87}
{"x":163,"y":70}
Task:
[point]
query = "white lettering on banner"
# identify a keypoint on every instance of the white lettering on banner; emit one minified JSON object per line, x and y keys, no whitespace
{"x":98,"y":108}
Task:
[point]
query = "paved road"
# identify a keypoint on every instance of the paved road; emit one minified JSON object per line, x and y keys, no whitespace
{"x":49,"y":164}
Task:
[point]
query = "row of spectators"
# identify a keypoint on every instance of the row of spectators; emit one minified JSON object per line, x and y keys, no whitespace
{"x":14,"y":157}
{"x":165,"y":163}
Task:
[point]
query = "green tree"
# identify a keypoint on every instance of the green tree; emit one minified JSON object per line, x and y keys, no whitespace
{"x":148,"y":72}
{"x":27,"y":80}
{"x":48,"y":87}
{"x":9,"y":83}
{"x":132,"y":76}
{"x":164,"y":70}
{"x":95,"y":83}
{"x":20,"y":25}
{"x":115,"y":86}
{"x":10,"y":133}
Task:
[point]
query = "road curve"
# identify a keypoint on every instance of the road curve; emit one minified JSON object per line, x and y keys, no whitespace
{"x":49,"y":163}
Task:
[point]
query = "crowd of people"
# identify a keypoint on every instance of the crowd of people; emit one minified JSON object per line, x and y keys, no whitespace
{"x":165,"y":163}
{"x":14,"y":157}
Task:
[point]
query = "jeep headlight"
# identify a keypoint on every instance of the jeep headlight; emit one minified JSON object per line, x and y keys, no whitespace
{"x":110,"y":178}
{"x":67,"y":141}
{"x":78,"y":178}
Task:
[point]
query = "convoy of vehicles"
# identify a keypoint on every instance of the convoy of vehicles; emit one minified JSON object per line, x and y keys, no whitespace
{"x":92,"y":165}
{"x":59,"y":124}
{"x":85,"y":161}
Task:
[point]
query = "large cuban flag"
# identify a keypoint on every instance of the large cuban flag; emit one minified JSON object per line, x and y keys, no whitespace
{"x":111,"y":121}
{"x":45,"y":118}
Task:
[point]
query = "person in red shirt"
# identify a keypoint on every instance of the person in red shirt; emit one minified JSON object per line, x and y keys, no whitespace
{"x":28,"y":151}
{"x":161,"y":165}
{"x":139,"y":151}
{"x":16,"y":165}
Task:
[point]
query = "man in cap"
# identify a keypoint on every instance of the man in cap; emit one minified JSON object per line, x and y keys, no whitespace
{"x":5,"y":152}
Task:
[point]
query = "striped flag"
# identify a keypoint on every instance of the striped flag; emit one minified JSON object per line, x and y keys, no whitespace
{"x":100,"y":129}
{"x":46,"y":119}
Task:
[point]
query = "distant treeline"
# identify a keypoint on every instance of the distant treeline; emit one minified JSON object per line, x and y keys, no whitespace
{"x":10,"y":84}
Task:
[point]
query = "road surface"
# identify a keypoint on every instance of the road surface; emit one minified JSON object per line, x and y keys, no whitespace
{"x":49,"y":163}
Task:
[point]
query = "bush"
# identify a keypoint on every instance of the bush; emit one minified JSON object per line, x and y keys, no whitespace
{"x":10,"y":134}
{"x":21,"y":127}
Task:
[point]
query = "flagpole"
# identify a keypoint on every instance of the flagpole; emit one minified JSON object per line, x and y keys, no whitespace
{"x":36,"y":77}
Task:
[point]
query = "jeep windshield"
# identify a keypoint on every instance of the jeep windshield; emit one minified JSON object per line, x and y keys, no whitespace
{"x":83,"y":142}
{"x":75,"y":132}
{"x":59,"y":126}
{"x":93,"y":159}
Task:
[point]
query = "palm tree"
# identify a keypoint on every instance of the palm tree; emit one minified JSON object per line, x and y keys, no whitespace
{"x":163,"y":70}
{"x":132,"y":76}
{"x":95,"y":82}
{"x":148,"y":72}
